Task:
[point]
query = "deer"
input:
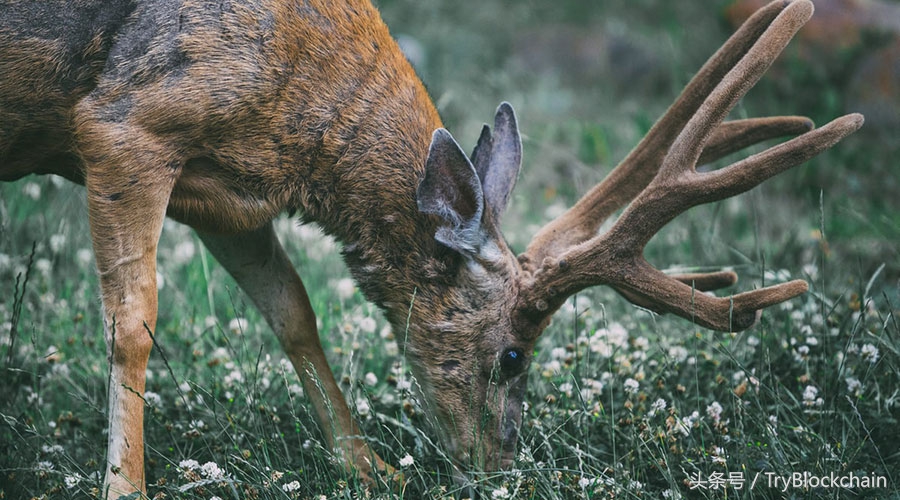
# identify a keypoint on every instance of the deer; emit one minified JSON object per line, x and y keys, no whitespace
{"x":224,"y":115}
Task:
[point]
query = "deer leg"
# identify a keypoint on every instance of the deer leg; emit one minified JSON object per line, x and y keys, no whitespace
{"x":129,"y":177}
{"x":259,"y":264}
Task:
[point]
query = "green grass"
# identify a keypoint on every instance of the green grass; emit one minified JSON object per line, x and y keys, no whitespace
{"x":803,"y":391}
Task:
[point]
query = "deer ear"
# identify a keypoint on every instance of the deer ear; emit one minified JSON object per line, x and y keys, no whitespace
{"x":451,"y":190}
{"x":498,"y":158}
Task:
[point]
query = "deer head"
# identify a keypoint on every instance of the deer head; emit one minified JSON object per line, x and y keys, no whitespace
{"x":475,"y":337}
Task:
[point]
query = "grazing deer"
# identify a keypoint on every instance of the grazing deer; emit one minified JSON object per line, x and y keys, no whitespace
{"x":222,"y":115}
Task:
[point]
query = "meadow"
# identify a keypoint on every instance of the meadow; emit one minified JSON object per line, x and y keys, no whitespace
{"x":622,"y":403}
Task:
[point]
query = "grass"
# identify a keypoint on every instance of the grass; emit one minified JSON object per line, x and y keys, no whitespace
{"x":622,"y":403}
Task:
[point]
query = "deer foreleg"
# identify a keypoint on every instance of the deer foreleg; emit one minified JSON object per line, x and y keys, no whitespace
{"x":259,"y":264}
{"x":129,"y":177}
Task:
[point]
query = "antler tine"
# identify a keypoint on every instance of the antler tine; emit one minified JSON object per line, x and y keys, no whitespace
{"x":750,"y":172}
{"x":702,"y":282}
{"x":736,"y":135}
{"x":661,"y":293}
{"x":688,"y":146}
{"x":634,"y":173}
{"x":616,"y":257}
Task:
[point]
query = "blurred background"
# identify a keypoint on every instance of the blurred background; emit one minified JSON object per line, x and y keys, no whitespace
{"x":588,"y":79}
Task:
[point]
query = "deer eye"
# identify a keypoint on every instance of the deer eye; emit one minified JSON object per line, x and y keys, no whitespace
{"x":512,"y":361}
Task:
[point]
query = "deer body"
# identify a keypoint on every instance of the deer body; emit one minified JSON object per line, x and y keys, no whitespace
{"x":253,"y":95}
{"x":222,"y":115}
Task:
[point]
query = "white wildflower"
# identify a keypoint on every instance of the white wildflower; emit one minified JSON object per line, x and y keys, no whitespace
{"x":43,"y":266}
{"x":617,"y":335}
{"x":810,"y":393}
{"x":60,"y":369}
{"x":817,"y":320}
{"x":606,"y":341}
{"x":84,"y":257}
{"x":345,"y":288}
{"x":152,"y":399}
{"x":367,"y":325}
{"x":52,"y":449}
{"x":406,"y":461}
{"x":591,"y":389}
{"x":235,"y":376}
{"x":809,"y":397}
{"x":685,"y":424}
{"x":631,"y":385}
{"x":362,"y":407}
{"x":212,"y":470}
{"x":73,"y":480}
{"x":854,"y":386}
{"x":559,"y":353}
{"x":869,"y":353}
{"x":500,"y":493}
{"x":714,"y":411}
{"x":238,"y":326}
{"x":57,"y":242}
{"x":370,"y":379}
{"x":678,"y":353}
{"x":555,"y":210}
{"x":657,"y":406}
{"x":801,"y":353}
{"x":566,"y":388}
{"x":183,"y":252}
{"x":291,"y":486}
{"x":811,"y":270}
{"x":553,"y":367}
{"x":189,"y":464}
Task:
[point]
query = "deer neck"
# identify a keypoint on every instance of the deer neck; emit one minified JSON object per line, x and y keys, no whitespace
{"x":359,"y":184}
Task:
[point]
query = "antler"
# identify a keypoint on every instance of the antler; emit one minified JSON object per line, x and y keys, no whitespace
{"x":660,"y":175}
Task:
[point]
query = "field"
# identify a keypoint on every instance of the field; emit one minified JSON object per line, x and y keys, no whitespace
{"x":622,"y":403}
